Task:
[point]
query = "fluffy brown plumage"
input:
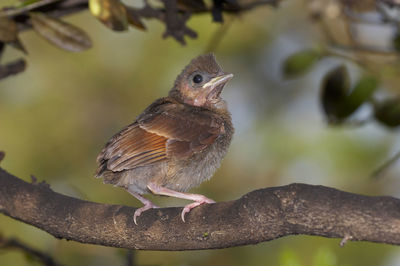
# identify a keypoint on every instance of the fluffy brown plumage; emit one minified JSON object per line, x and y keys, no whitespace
{"x":176,"y":143}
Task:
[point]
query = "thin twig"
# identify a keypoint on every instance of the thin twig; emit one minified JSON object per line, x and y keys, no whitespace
{"x":218,"y":36}
{"x":385,"y":166}
{"x":130,"y":257}
{"x":15,"y":244}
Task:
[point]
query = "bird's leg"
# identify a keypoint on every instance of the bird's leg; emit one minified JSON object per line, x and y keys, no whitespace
{"x":199,"y":199}
{"x":147,"y":205}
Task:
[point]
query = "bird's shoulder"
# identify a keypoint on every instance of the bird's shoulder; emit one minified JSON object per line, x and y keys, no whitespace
{"x":172,"y":119}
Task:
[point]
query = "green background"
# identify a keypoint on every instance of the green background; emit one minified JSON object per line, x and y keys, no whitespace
{"x":57,"y":115}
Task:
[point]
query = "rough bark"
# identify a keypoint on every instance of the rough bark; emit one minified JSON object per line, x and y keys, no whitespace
{"x":258,"y":216}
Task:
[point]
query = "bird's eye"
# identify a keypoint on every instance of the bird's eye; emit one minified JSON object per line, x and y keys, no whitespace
{"x":197,"y":78}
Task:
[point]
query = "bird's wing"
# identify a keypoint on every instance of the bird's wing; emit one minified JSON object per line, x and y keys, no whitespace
{"x":132,"y":147}
{"x":163,"y":131}
{"x":188,"y":130}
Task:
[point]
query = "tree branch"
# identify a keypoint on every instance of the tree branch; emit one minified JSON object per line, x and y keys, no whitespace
{"x":261,"y":215}
{"x":56,"y":8}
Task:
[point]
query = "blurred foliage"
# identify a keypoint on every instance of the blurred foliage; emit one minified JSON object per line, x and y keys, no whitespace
{"x":8,"y":30}
{"x":388,"y":112}
{"x":57,"y":115}
{"x":335,"y":89}
{"x":112,"y":13}
{"x":339,"y":100}
{"x":299,"y":63}
{"x":289,"y":258}
{"x":59,"y":33}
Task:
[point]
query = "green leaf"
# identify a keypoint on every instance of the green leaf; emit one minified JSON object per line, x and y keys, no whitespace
{"x":299,"y":63}
{"x":361,"y":93}
{"x":27,"y":3}
{"x":339,"y":101}
{"x":387,"y":112}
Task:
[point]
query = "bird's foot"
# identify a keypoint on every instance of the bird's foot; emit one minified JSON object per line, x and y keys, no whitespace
{"x":148,"y":205}
{"x":190,"y":206}
{"x":197,"y":198}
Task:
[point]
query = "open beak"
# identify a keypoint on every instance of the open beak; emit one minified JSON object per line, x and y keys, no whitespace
{"x":214,"y":87}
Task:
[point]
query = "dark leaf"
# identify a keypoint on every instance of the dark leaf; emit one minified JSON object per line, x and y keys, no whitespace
{"x":338,"y":100}
{"x":335,"y":88}
{"x":8,"y":30}
{"x":396,"y":42}
{"x":60,"y":33}
{"x":387,"y":112}
{"x":175,"y":23}
{"x":12,"y":68}
{"x":134,"y":18}
{"x":111,"y":13}
{"x":9,"y":34}
{"x":299,"y":63}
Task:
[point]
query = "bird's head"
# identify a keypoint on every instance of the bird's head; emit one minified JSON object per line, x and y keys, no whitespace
{"x":201,"y":83}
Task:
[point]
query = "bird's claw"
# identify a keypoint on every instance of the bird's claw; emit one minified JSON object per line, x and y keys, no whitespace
{"x":139,"y":211}
{"x":190,"y":206}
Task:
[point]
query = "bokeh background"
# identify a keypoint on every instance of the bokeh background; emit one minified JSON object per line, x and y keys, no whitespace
{"x":57,"y":115}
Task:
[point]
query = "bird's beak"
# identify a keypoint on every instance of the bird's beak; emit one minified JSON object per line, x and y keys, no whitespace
{"x":214,"y":87}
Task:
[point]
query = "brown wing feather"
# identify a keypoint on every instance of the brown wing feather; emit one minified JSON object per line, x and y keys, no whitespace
{"x":132,"y":147}
{"x":164,"y":130}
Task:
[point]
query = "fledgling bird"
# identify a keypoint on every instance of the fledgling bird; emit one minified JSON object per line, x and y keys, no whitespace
{"x":176,"y":143}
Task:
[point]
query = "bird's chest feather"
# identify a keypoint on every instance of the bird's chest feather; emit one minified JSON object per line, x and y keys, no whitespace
{"x":185,"y":174}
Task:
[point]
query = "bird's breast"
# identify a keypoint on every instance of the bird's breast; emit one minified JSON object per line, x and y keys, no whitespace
{"x":191,"y":172}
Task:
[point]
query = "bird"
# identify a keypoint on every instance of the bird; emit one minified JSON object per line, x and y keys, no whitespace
{"x":176,"y":143}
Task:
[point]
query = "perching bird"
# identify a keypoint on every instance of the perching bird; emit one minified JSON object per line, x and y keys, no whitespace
{"x":176,"y":143}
